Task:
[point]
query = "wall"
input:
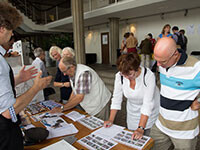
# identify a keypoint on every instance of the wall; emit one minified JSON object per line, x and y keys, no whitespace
{"x":93,"y":40}
{"x":154,"y":25}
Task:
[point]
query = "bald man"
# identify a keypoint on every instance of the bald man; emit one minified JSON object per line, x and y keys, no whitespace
{"x":180,"y":85}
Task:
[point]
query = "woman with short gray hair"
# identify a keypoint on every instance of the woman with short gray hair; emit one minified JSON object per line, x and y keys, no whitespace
{"x":39,"y":61}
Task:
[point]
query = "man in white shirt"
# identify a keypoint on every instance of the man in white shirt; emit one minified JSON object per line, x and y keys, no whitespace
{"x":10,"y":106}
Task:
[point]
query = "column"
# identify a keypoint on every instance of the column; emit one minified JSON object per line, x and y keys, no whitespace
{"x":114,"y":39}
{"x":78,"y":30}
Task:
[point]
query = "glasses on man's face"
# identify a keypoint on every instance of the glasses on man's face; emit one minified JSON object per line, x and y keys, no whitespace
{"x":67,"y":68}
{"x":166,"y":61}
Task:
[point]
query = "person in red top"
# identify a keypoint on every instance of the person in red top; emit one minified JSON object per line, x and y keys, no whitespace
{"x":153,"y":41}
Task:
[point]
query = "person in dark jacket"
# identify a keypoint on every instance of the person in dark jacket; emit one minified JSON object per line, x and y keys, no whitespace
{"x":146,"y":51}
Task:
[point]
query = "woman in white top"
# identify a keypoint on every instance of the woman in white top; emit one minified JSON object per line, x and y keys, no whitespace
{"x":138,"y":85}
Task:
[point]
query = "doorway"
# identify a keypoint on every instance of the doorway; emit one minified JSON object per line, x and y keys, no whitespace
{"x":105,"y":47}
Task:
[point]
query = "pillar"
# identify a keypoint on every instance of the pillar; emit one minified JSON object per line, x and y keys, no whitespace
{"x":114,"y":39}
{"x":78,"y":30}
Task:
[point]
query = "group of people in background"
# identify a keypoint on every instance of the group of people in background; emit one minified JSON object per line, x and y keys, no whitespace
{"x":169,"y":116}
{"x":146,"y":47}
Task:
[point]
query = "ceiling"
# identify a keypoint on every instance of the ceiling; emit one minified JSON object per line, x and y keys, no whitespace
{"x":128,"y":10}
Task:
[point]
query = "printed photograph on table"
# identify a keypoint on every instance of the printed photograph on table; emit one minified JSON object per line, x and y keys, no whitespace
{"x":91,"y":122}
{"x":54,"y":123}
{"x":96,"y":142}
{"x":50,"y":104}
{"x":45,"y":115}
{"x":33,"y":109}
{"x":125,"y":138}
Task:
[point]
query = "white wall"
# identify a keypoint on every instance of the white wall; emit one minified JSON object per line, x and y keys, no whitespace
{"x":93,"y":40}
{"x":154,"y":25}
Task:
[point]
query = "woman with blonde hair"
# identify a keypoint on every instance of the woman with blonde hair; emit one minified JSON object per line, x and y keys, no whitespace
{"x":61,"y":80}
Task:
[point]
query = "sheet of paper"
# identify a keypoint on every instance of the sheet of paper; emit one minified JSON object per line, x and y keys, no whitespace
{"x":74,"y":115}
{"x":91,"y":122}
{"x":44,"y":115}
{"x":94,"y":142}
{"x":67,"y":130}
{"x":55,"y":123}
{"x":109,"y":132}
{"x":29,"y":126}
{"x":124,"y":137}
{"x":60,"y":145}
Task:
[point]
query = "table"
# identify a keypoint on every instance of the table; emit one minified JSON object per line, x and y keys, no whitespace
{"x":83,"y":131}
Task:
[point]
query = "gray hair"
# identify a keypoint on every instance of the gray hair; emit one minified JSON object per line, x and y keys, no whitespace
{"x":67,"y":61}
{"x":38,"y":51}
{"x":69,"y":49}
{"x":54,"y":48}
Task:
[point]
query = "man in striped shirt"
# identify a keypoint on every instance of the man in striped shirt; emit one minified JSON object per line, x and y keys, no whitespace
{"x":180,"y":84}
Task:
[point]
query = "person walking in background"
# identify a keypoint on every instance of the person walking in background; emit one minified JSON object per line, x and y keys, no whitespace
{"x":153,"y":41}
{"x":165,"y":32}
{"x":185,"y":39}
{"x":132,"y":80}
{"x":123,"y":49}
{"x":131,"y":43}
{"x":146,"y":52}
{"x":60,"y":80}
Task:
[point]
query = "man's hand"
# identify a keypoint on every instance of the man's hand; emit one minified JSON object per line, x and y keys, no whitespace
{"x":195,"y":105}
{"x":41,"y":83}
{"x":25,"y":75}
{"x":14,"y":54}
{"x":56,"y":110}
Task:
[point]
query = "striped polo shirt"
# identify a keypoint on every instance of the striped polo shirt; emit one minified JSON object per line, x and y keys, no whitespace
{"x":180,"y":85}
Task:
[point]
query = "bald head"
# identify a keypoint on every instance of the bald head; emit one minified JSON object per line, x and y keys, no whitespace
{"x":164,"y":50}
{"x":165,"y":47}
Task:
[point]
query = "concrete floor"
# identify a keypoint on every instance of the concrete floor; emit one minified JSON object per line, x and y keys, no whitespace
{"x":121,"y":115}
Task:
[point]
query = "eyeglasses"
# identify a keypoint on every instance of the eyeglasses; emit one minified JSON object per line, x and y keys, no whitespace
{"x":166,"y":61}
{"x":67,"y":68}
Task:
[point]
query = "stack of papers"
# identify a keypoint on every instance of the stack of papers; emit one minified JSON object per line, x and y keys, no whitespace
{"x":75,"y":116}
{"x":45,"y":115}
{"x":110,"y":132}
{"x":124,"y":137}
{"x":61,"y":145}
{"x":91,"y":122}
{"x":94,"y":142}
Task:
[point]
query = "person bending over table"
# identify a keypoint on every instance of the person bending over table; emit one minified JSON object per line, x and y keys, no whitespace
{"x":138,"y":85}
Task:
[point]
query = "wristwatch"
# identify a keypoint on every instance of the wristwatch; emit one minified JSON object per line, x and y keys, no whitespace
{"x":140,"y":127}
{"x":62,"y":108}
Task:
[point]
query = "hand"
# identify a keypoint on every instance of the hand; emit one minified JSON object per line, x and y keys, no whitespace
{"x":56,"y":110}
{"x":66,"y":84}
{"x":108,"y":123}
{"x":195,"y":105}
{"x":25,"y":75}
{"x":41,"y":83}
{"x":15,"y":54}
{"x":138,"y":133}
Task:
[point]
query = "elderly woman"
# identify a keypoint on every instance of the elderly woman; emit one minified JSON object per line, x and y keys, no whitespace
{"x":137,"y":84}
{"x":39,"y":61}
{"x":61,"y":80}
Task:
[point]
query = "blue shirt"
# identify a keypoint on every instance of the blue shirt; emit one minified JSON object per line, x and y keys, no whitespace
{"x":168,"y":35}
{"x":6,"y":94}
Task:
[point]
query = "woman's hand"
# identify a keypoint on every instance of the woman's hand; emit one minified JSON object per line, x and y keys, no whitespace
{"x":108,"y":123}
{"x":138,"y":133}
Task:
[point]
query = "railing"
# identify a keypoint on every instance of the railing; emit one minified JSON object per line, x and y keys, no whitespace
{"x":41,"y":16}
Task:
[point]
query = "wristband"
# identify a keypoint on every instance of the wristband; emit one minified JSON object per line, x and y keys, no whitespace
{"x":140,"y":127}
{"x":63,"y":84}
{"x":62,"y":108}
